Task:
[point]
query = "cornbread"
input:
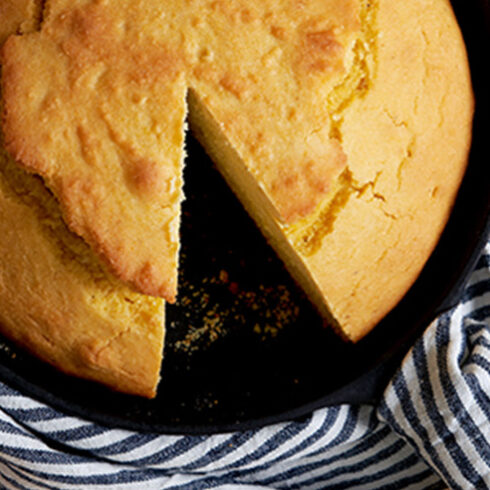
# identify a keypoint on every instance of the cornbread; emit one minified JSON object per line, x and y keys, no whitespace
{"x":342,"y":125}
{"x":345,"y":134}
{"x":94,"y":112}
{"x":56,"y":299}
{"x":18,"y":17}
{"x":59,"y":302}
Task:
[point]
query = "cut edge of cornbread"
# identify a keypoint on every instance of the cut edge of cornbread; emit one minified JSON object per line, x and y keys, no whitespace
{"x":253,"y":198}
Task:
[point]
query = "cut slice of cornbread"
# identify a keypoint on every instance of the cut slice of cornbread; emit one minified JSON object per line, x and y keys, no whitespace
{"x":56,"y":299}
{"x":61,"y":304}
{"x":98,"y":112}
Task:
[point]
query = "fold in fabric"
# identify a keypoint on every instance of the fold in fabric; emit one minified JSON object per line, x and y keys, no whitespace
{"x":439,"y":401}
{"x":431,"y":430}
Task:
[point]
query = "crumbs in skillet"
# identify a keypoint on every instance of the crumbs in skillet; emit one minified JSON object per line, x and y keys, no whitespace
{"x":266,"y":311}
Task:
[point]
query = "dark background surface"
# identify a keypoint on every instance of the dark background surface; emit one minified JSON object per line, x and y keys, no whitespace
{"x":265,"y":355}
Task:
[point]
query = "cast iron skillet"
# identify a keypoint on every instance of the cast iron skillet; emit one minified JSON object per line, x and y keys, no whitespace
{"x":252,"y":366}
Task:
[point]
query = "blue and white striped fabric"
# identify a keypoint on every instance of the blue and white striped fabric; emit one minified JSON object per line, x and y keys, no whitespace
{"x":430,"y":431}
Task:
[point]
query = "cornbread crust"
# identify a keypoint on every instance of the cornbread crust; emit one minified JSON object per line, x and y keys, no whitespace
{"x":407,"y":142}
{"x":343,"y":125}
{"x":18,"y":16}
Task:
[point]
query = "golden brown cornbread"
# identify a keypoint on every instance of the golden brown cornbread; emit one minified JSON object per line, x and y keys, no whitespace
{"x":346,"y":139}
{"x":398,"y":108}
{"x":18,"y":16}
{"x":343,"y":126}
{"x":407,"y":142}
{"x":102,"y":121}
{"x":56,"y":299}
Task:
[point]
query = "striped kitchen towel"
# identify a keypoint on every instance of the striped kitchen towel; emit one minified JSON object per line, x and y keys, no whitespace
{"x":431,"y":430}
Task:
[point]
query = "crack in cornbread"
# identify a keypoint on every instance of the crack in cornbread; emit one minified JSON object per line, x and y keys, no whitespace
{"x":308,"y":233}
{"x":307,"y":237}
{"x":359,"y":78}
{"x":309,"y":241}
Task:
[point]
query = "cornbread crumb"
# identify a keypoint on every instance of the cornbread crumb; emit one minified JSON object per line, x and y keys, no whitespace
{"x":266,"y":311}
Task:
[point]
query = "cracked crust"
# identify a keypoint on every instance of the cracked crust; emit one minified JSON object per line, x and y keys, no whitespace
{"x":393,"y":123}
{"x":407,"y":142}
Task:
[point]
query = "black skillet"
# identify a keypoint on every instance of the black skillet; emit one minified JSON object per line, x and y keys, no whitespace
{"x":264,"y":356}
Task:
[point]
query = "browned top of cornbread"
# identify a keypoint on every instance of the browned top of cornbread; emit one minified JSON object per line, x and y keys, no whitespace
{"x":98,"y":110}
{"x":18,"y":16}
{"x":94,"y":103}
